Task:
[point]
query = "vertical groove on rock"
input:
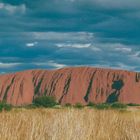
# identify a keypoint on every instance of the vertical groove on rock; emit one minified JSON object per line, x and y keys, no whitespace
{"x":12,"y":93}
{"x":21,"y":88}
{"x":56,"y":77}
{"x":137,"y":77}
{"x":45,"y":92}
{"x":37,"y":81}
{"x":66,"y":88}
{"x":7,"y":89}
{"x":3,"y":87}
{"x":108,"y":75}
{"x":37,"y":87}
{"x":1,"y":91}
{"x":89,"y":88}
{"x":20,"y":91}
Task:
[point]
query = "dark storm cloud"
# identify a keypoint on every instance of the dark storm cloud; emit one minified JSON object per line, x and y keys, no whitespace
{"x":54,"y":34}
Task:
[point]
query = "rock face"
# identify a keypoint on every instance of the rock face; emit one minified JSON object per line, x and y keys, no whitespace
{"x":71,"y":85}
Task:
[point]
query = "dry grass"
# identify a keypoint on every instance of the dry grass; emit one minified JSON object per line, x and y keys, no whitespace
{"x":69,"y":124}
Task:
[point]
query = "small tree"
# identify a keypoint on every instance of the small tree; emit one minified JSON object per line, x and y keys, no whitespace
{"x":79,"y":105}
{"x":132,"y":104}
{"x":118,"y":106}
{"x":4,"y":106}
{"x":45,"y":101}
{"x":91,"y":104}
{"x":68,"y":105}
{"x":102,"y":106}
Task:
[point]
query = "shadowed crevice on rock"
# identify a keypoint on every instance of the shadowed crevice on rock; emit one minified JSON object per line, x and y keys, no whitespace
{"x":66,"y":88}
{"x":37,"y":85}
{"x":45,"y":92}
{"x":56,"y":77}
{"x":137,"y":77}
{"x":7,"y":89}
{"x":113,"y":97}
{"x":117,"y":85}
{"x":37,"y":88}
{"x":86,"y":98}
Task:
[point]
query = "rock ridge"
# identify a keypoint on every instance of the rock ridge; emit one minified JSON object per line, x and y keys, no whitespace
{"x":71,"y":85}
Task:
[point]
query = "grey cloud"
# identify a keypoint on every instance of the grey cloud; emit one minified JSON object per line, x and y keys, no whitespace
{"x":56,"y":33}
{"x":11,"y":9}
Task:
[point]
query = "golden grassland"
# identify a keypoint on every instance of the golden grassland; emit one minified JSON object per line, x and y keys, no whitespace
{"x":69,"y":124}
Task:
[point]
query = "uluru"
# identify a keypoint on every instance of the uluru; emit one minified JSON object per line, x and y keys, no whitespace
{"x":71,"y":85}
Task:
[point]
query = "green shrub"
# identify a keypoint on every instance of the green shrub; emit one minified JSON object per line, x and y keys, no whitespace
{"x":68,"y":105}
{"x":78,"y":105}
{"x":118,"y":106}
{"x":113,"y":106}
{"x":7,"y":107}
{"x":131,"y":104}
{"x":4,"y":106}
{"x":31,"y":106}
{"x":91,"y":104}
{"x":45,"y":101}
{"x":102,"y":106}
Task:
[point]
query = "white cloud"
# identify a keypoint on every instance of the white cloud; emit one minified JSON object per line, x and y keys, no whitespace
{"x":118,"y":65}
{"x":123,"y":49}
{"x":115,"y":47}
{"x":8,"y":65}
{"x":11,"y":9}
{"x":31,"y":44}
{"x":135,"y":56}
{"x":124,"y":66}
{"x":61,"y":36}
{"x":50,"y":64}
{"x":56,"y":65}
{"x":73,"y":45}
{"x":96,"y":49}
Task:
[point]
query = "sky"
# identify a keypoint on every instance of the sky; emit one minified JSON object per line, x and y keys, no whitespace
{"x":52,"y":34}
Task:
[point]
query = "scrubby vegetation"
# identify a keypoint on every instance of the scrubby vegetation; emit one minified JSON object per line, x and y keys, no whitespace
{"x":102,"y":106}
{"x":78,"y":105}
{"x":91,"y":104}
{"x":4,"y":106}
{"x":118,"y":106}
{"x":50,"y":102}
{"x":68,"y":105}
{"x":132,"y":104}
{"x":115,"y":105}
{"x":45,"y":101}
